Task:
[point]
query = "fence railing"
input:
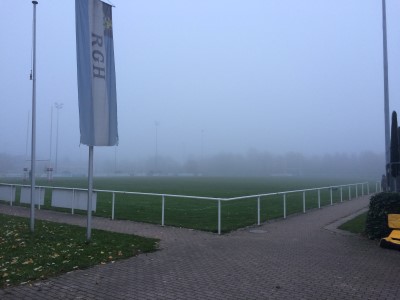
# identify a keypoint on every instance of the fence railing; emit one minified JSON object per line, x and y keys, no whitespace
{"x":345,"y":194}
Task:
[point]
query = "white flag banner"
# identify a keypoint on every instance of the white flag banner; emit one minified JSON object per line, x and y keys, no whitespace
{"x":96,"y":73}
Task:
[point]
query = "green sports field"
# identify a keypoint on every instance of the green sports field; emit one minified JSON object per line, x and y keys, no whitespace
{"x":198,"y":213}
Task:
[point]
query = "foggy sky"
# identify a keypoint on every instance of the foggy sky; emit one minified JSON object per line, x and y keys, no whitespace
{"x":217,"y":76}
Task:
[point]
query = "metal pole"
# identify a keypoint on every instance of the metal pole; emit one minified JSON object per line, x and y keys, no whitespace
{"x":33,"y":146}
{"x":284,"y":206}
{"x":219,"y":216}
{"x":202,"y":152}
{"x":163,"y":211}
{"x":386,"y":85}
{"x":27,"y":134}
{"x":73,"y":201}
{"x":341,"y":194}
{"x":258,"y":211}
{"x":51,"y":135}
{"x":356,"y":190}
{"x":319,"y":198}
{"x":115,"y":159}
{"x":12,"y":195}
{"x":58,"y":107}
{"x":304,"y":202}
{"x":156,"y":158}
{"x":331,"y":197}
{"x":90,"y":190}
{"x":40,"y":197}
{"x":349,"y":192}
{"x":113,"y":207}
{"x":56,"y":165}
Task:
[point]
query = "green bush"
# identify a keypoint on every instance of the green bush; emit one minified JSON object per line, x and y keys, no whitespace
{"x":380,"y":206}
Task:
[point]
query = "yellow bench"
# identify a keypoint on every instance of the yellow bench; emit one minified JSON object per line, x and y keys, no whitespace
{"x":393,"y":240}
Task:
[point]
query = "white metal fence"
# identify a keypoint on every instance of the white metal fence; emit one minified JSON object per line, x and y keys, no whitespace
{"x":8,"y":194}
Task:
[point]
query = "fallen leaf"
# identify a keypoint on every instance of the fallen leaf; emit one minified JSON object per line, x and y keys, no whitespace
{"x":27,"y":262}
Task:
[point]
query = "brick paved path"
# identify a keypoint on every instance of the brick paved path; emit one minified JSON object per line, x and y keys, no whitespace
{"x":296,"y":258}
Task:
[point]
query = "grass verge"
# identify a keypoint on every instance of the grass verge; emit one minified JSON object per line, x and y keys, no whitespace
{"x":56,"y":248}
{"x":356,"y":225}
{"x":200,"y":214}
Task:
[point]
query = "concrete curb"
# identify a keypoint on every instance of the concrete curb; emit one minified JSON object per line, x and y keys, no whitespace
{"x":334,"y":226}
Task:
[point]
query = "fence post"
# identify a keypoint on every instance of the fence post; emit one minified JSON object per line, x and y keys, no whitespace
{"x":356,"y":190}
{"x":304,"y":202}
{"x":113,"y":207}
{"x":284,"y":206}
{"x":331,"y":197}
{"x":341,"y":194}
{"x":162,"y":210}
{"x":362,"y":189}
{"x":73,"y":201}
{"x":258,"y":210}
{"x":349,"y":192}
{"x":319,"y":198}
{"x":40,"y":194}
{"x":219,"y":216}
{"x":12,"y":193}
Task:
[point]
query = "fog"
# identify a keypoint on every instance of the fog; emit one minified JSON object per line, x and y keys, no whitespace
{"x":366,"y":166}
{"x":213,"y":87}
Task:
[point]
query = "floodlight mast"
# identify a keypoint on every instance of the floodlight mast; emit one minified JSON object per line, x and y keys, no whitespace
{"x":156,"y":157}
{"x":386,"y":85}
{"x":33,"y":145}
{"x":58,"y":106}
{"x":51,"y":135}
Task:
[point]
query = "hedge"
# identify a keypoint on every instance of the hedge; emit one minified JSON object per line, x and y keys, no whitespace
{"x":380,"y":206}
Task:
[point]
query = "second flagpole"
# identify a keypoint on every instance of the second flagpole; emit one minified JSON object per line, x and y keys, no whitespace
{"x":90,"y":192}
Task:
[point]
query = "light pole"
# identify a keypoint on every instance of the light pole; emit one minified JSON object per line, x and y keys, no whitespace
{"x":202,"y":144}
{"x":50,"y":166}
{"x":58,"y":106}
{"x":202,"y":152}
{"x":386,"y":90}
{"x":156,"y":158}
{"x":115,"y":159}
{"x":51,"y":135}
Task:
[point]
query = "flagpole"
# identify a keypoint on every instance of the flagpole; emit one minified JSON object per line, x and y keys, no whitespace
{"x":90,"y":192}
{"x":33,"y":146}
{"x":96,"y":89}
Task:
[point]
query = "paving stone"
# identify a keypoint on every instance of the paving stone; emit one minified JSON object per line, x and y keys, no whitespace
{"x":301,"y":257}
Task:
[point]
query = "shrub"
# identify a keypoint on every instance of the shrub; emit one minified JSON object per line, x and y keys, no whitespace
{"x":380,"y":206}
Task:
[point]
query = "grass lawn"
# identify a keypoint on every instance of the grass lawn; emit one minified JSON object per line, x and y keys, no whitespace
{"x":58,"y":248}
{"x":356,"y":225}
{"x":202,"y":214}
